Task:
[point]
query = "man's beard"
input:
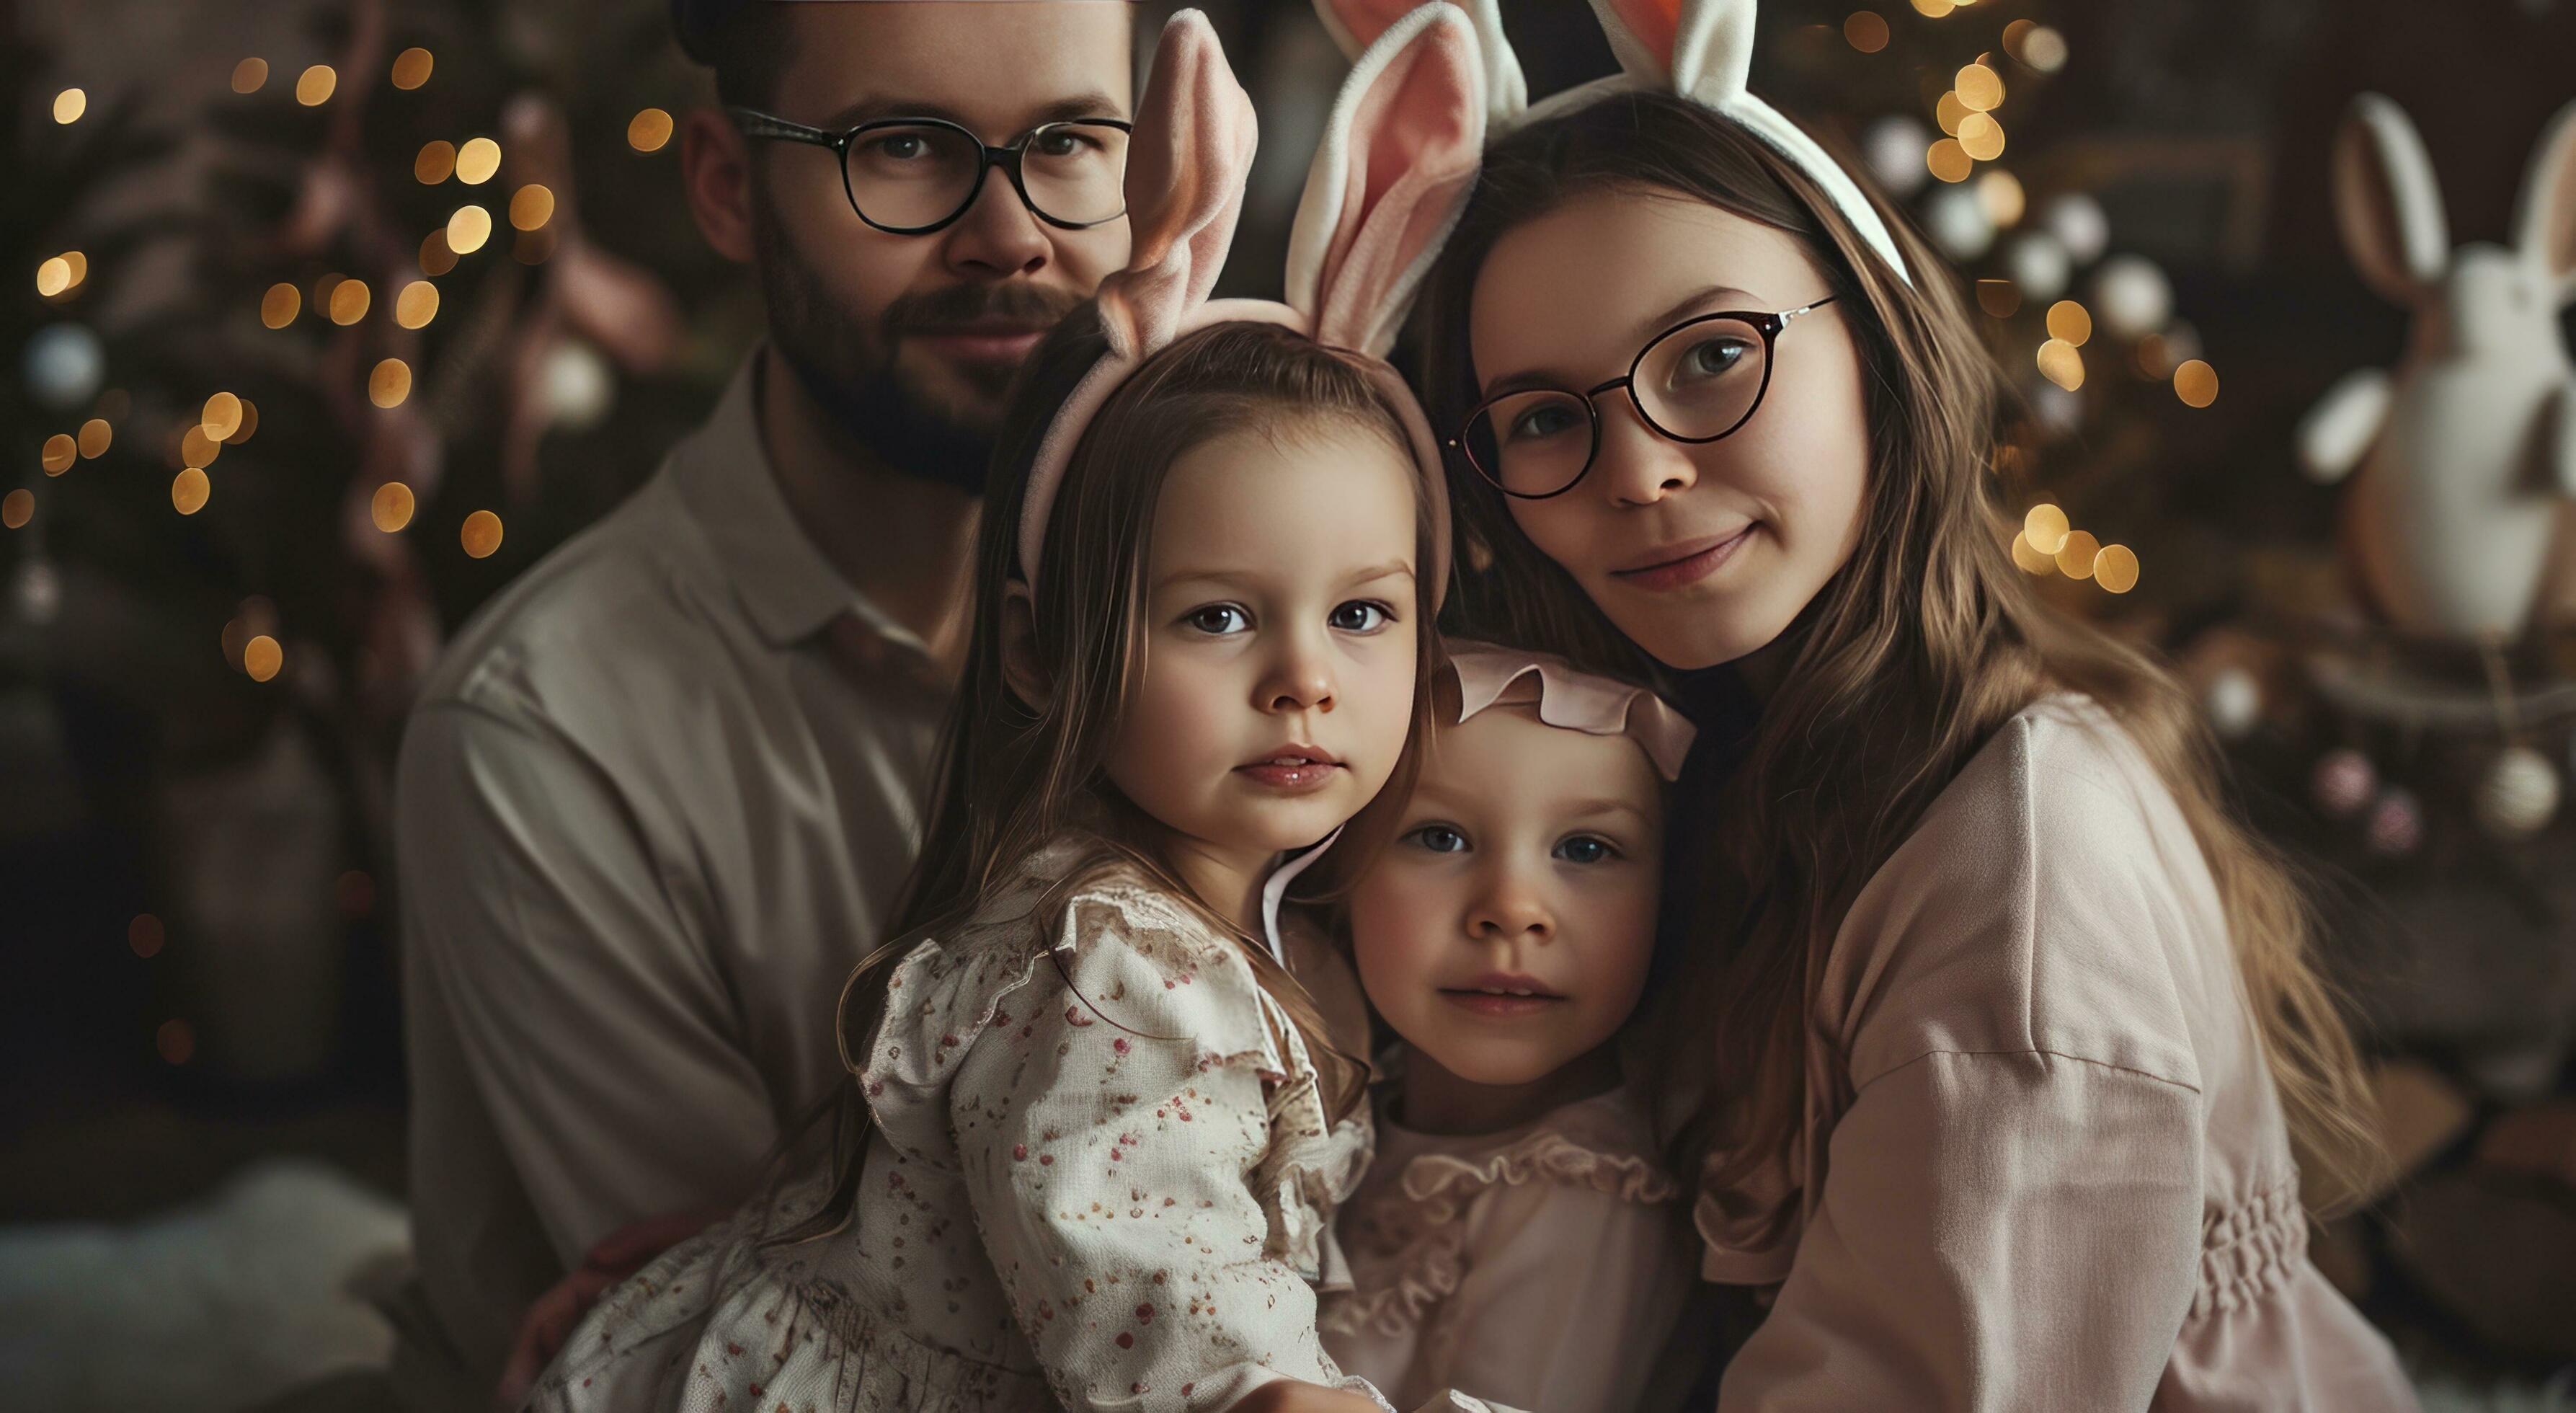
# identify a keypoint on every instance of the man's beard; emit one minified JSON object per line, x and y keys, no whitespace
{"x":913,"y":430}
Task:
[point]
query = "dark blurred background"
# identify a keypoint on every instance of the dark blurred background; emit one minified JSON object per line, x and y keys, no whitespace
{"x":272,"y":425}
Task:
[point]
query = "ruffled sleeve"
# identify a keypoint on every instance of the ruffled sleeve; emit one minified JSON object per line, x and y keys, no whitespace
{"x":1114,"y":1122}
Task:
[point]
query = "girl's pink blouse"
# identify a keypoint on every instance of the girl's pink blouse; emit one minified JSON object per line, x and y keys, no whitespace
{"x":2044,"y":1162}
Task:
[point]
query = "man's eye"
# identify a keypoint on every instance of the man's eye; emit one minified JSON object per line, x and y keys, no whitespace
{"x":1586,"y":849}
{"x":901,"y":147}
{"x":1219,"y":619}
{"x":1439,"y":839}
{"x":1360,"y":616}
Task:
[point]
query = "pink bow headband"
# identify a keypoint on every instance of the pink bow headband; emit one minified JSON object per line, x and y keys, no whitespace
{"x":1397,"y":160}
{"x":1571,"y":699}
{"x":1701,"y":50}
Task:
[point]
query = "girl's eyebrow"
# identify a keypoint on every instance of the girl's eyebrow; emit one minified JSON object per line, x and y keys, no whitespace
{"x":1683,"y":308}
{"x":1242,"y":579}
{"x":1392,"y":569}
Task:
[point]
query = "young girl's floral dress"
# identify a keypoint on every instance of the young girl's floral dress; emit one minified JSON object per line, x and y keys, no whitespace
{"x":1101,"y":1175}
{"x":1541,"y":1268}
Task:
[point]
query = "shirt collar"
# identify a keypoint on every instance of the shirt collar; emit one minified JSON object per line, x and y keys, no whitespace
{"x":790,"y":590}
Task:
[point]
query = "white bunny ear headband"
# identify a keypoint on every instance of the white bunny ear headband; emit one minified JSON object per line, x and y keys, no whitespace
{"x":1571,"y":699}
{"x":1701,"y":50}
{"x":1399,"y":156}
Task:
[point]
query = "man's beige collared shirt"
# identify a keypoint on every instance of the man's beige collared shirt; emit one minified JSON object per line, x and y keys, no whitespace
{"x":655,"y":803}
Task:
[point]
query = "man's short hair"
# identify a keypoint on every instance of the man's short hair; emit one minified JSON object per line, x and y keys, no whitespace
{"x":744,"y":41}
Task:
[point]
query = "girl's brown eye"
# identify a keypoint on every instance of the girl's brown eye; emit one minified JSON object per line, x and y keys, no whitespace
{"x":1359,"y":617}
{"x":1218,"y":619}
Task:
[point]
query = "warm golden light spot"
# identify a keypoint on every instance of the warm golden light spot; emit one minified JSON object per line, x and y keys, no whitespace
{"x":349,"y":301}
{"x":2029,"y":560}
{"x":69,"y":105}
{"x":411,"y":68}
{"x":436,"y":258}
{"x":1948,"y":160}
{"x":261,"y":657}
{"x":322,"y":292}
{"x":649,"y":130}
{"x":390,"y":383}
{"x":2044,"y":49}
{"x":2116,"y":568}
{"x":2075,"y":557}
{"x":481,"y":534}
{"x":2045,"y":527}
{"x":17,"y":508}
{"x":436,"y":162}
{"x":176,"y":1040}
{"x":59,"y":453}
{"x":2061,"y":364}
{"x":392,"y":506}
{"x":1981,"y":88}
{"x":2014,"y":33}
{"x":416,"y":305}
{"x":531,"y":206}
{"x":145,"y":935}
{"x":2000,"y":193}
{"x":95,"y":438}
{"x":221,"y":416}
{"x":2196,"y":383}
{"x":53,"y":277}
{"x":1866,"y":31}
{"x":196,"y":449}
{"x":249,"y":424}
{"x":2000,"y":298}
{"x":188,"y":491}
{"x":313,"y":87}
{"x":2070,"y":321}
{"x":250,"y":75}
{"x":1949,"y":113}
{"x":1981,"y":137}
{"x":280,"y":305}
{"x":1934,"y":9}
{"x":468,"y":229}
{"x":477,"y":160}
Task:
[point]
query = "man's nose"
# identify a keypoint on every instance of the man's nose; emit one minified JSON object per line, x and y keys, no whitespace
{"x":999,"y":235}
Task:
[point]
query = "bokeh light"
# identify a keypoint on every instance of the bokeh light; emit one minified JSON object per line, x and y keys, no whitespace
{"x":2116,"y":568}
{"x":349,"y":301}
{"x":2044,"y":49}
{"x":1948,"y":160}
{"x":221,"y":416}
{"x":477,"y":160}
{"x":2075,"y":557}
{"x":411,"y":68}
{"x":2030,"y":559}
{"x":468,"y":229}
{"x":262,"y":657}
{"x":2070,"y":321}
{"x":648,"y":130}
{"x":436,"y":257}
{"x":531,"y":207}
{"x":250,"y":75}
{"x":1865,"y":30}
{"x":314,"y":86}
{"x":69,"y":105}
{"x":188,"y":491}
{"x":416,"y":305}
{"x":17,"y":508}
{"x":2045,"y":526}
{"x":392,"y":507}
{"x":59,"y":453}
{"x":436,"y":162}
{"x":53,"y":276}
{"x":1979,"y":87}
{"x":197,"y":449}
{"x":249,"y":423}
{"x":1949,"y":112}
{"x":2196,"y":383}
{"x":481,"y":534}
{"x":176,"y":1040}
{"x":145,"y":935}
{"x":2001,"y":194}
{"x":95,"y":438}
{"x":1981,"y":137}
{"x":2061,"y":364}
{"x":1934,"y":9}
{"x":390,"y":383}
{"x":1999,"y":298}
{"x":280,"y":305}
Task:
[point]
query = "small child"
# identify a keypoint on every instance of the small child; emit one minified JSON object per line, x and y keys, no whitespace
{"x":1516,"y":1237}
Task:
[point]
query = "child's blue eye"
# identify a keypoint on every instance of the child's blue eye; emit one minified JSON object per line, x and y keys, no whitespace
{"x":1360,"y":616}
{"x":1218,"y":619}
{"x":1585,"y":849}
{"x":1439,"y":839}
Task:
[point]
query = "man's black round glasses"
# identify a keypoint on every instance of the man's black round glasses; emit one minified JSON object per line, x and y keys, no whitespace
{"x":1695,"y":382}
{"x":915,"y":176}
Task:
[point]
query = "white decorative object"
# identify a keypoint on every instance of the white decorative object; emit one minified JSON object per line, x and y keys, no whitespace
{"x":2518,"y":794}
{"x":64,"y":365}
{"x":2131,"y":297}
{"x":578,"y":385}
{"x":1893,"y":147}
{"x":2234,"y":701}
{"x":2344,"y":782}
{"x":40,"y":591}
{"x":2461,"y":455}
{"x":2077,"y":221}
{"x":2038,"y":264}
{"x":1957,"y":222}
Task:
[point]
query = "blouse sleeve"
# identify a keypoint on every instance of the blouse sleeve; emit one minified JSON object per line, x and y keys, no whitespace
{"x":1996,"y":1231}
{"x":1108,"y":1137}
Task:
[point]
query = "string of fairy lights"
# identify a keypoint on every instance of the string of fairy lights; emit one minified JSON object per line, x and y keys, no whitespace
{"x":229,"y":419}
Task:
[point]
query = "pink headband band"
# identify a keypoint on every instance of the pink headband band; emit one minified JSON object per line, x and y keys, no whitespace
{"x":1398,"y":157}
{"x":1571,"y":699}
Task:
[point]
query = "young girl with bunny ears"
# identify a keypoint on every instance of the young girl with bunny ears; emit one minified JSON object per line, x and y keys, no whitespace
{"x":1102,"y":1106}
{"x":2001,"y":1031}
{"x":1517,"y":1235}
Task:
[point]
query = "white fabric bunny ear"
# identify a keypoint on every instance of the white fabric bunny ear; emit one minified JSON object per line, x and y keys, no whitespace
{"x":1703,"y":51}
{"x":2544,"y":226}
{"x":2388,"y":203}
{"x":1398,"y":158}
{"x":1357,"y":24}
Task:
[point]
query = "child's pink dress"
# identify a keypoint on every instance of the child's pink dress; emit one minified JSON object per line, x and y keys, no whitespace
{"x":1091,"y":1075}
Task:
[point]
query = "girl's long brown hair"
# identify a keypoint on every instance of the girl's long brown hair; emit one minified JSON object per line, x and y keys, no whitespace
{"x":1924,"y":644}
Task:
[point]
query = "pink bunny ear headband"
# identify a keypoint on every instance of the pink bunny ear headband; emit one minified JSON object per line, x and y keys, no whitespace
{"x":1571,"y":699}
{"x":1399,"y":155}
{"x":1701,"y":50}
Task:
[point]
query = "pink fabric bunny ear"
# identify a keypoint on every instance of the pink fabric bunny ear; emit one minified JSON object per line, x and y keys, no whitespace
{"x":1571,"y":700}
{"x":1186,"y":164}
{"x":1357,"y":24}
{"x":1703,"y":51}
{"x":1398,"y":158}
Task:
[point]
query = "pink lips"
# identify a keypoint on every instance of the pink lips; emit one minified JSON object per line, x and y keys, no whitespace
{"x":1501,"y":995}
{"x":1293,"y":770}
{"x":1678,"y":566}
{"x":984,"y":343}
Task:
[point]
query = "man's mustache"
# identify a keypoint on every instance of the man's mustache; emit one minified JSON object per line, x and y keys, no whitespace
{"x":958,"y":306}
